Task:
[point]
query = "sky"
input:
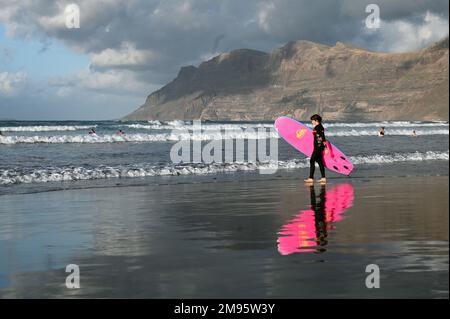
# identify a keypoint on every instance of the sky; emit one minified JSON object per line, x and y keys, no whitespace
{"x":125,"y":49}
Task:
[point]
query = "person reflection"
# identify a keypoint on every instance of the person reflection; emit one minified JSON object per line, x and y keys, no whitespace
{"x":308,"y":230}
{"x":319,"y":217}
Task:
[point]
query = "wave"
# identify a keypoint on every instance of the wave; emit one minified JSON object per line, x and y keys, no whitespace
{"x":388,"y":132}
{"x":181,"y":125}
{"x":46,"y":128}
{"x":400,"y":157}
{"x":219,"y":127}
{"x":176,"y":123}
{"x":114,"y":138}
{"x":155,"y":122}
{"x":187,"y":125}
{"x":149,"y":127}
{"x":389,"y":124}
{"x":178,"y":136}
{"x":204,"y":127}
{"x":60,"y":174}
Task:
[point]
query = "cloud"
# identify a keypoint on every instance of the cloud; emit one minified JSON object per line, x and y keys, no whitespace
{"x":150,"y":34}
{"x":264,"y":16}
{"x":391,"y":10}
{"x":113,"y":82}
{"x":162,"y":22}
{"x":127,"y":56}
{"x":404,"y":36}
{"x":141,"y":44}
{"x":12,"y":83}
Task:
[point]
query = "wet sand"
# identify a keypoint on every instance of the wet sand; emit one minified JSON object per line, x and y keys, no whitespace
{"x":267,"y":238}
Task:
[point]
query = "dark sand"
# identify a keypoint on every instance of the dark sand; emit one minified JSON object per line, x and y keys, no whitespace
{"x":219,"y":239}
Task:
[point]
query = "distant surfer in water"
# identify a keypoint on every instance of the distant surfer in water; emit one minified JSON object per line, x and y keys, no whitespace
{"x":92,"y":132}
{"x":414,"y":134}
{"x":120,"y":132}
{"x":320,"y":145}
{"x":381,"y":132}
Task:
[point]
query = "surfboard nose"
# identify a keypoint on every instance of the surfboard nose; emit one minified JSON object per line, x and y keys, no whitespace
{"x":278,"y":123}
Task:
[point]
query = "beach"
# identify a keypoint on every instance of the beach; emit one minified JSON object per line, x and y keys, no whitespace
{"x":221,"y":239}
{"x":139,"y":226}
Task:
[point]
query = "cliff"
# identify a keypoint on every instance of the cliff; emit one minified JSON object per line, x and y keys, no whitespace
{"x":301,"y":78}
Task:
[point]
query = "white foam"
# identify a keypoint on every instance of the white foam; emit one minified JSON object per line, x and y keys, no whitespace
{"x":55,"y":174}
{"x":113,"y":138}
{"x":205,"y":136}
{"x":180,"y":125}
{"x":388,"y":132}
{"x":149,"y":127}
{"x":204,"y":127}
{"x":388,"y":124}
{"x":46,"y":128}
{"x":400,"y":157}
{"x":333,"y":129}
{"x":176,"y":123}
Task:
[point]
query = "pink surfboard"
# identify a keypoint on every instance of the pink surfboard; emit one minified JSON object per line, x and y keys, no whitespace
{"x":301,"y":137}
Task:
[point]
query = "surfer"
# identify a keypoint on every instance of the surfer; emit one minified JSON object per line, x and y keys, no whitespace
{"x":320,"y":145}
{"x":92,"y":132}
{"x":381,"y":132}
{"x":120,"y":132}
{"x":414,"y":134}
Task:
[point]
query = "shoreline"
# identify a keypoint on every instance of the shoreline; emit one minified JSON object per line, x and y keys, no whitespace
{"x":217,"y":177}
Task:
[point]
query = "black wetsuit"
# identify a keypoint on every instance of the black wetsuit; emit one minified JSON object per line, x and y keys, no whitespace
{"x":319,"y":146}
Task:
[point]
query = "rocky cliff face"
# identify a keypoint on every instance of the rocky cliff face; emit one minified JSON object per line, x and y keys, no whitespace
{"x":303,"y":78}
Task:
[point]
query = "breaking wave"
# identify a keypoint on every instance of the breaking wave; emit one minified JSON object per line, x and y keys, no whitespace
{"x":389,"y":124}
{"x":180,"y":125}
{"x":204,"y":127}
{"x":60,"y":174}
{"x":113,"y":138}
{"x":46,"y":128}
{"x":389,"y":132}
{"x":180,"y":135}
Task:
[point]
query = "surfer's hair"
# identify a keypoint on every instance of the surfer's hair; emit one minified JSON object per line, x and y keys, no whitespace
{"x":316,"y":117}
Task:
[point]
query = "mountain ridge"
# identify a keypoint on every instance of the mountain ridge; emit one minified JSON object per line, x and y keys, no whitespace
{"x":301,"y":78}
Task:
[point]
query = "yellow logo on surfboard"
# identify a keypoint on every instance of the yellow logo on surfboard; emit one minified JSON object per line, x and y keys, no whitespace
{"x":300,"y":133}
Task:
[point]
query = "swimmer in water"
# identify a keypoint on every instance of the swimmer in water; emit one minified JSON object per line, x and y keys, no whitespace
{"x":381,"y":132}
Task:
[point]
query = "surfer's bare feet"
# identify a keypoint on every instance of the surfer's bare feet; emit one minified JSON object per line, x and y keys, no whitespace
{"x":309,"y":180}
{"x":323,"y":180}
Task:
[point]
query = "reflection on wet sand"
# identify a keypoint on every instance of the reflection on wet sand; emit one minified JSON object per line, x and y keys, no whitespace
{"x":218,"y":240}
{"x":308,"y":230}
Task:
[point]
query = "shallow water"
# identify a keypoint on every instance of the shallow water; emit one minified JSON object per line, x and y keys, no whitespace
{"x":44,"y":154}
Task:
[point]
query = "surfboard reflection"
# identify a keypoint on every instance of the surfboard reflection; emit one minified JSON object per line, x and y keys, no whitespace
{"x":308,"y":230}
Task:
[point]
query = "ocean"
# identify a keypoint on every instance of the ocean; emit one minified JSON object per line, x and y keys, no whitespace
{"x":140,"y":224}
{"x":38,"y":156}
